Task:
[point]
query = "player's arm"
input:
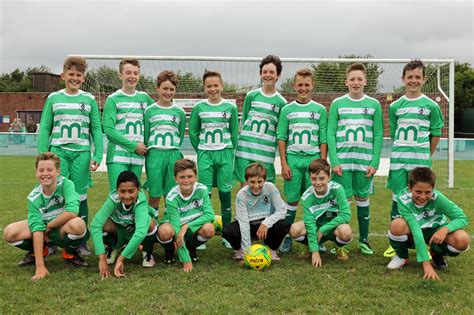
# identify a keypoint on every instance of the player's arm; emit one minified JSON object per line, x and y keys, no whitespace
{"x":146,"y":126}
{"x":311,"y":229}
{"x":323,"y":139}
{"x":456,"y":215}
{"x":344,"y":215}
{"x":282,"y":138}
{"x":71,"y":206}
{"x":182,"y":126}
{"x":242,"y":216}
{"x":377,"y":136}
{"x":436,"y":125}
{"x":331,"y":135}
{"x":96,"y":130}
{"x":110,"y":122}
{"x":97,"y":225}
{"x":194,"y":127}
{"x":207,"y":216}
{"x":37,"y":228}
{"x":246,"y":108}
{"x":234,"y":127}
{"x":392,"y":119}
{"x":46,"y":126}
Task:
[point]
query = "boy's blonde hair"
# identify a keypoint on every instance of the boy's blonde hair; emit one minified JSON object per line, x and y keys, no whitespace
{"x":255,"y":169}
{"x":131,"y":61}
{"x":305,"y":73}
{"x":184,"y":164}
{"x":48,"y":156}
{"x":167,"y":75}
{"x":319,"y":165}
{"x":356,"y":66}
{"x":209,"y":73}
{"x":75,"y":61}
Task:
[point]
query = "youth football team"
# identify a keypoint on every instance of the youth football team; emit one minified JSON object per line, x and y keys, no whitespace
{"x":142,"y":132}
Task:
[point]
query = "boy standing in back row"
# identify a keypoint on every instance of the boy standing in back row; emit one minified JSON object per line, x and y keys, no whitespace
{"x":257,"y":140}
{"x":415,"y":128}
{"x":355,"y":135}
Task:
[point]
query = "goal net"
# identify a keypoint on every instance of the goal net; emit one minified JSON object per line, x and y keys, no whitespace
{"x":241,"y":74}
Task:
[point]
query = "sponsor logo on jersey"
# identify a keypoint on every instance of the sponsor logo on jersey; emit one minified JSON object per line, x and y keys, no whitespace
{"x":224,"y":115}
{"x":421,"y":111}
{"x":365,"y":110}
{"x":82,"y":106}
{"x":173,"y":118}
{"x":265,"y":200}
{"x":273,"y":107}
{"x":312,"y":115}
{"x":333,"y":202}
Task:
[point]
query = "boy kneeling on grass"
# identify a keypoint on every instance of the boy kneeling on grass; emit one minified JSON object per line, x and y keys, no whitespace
{"x":260,"y":214}
{"x":187,"y":219}
{"x":53,"y":208}
{"x":124,"y":221}
{"x":424,"y":219}
{"x":326,"y":214}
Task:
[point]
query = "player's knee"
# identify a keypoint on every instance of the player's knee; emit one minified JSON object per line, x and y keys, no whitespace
{"x":77,"y":225}
{"x":154,"y":202}
{"x":361,"y":199}
{"x":461,"y":240}
{"x":399,"y":227}
{"x":8,"y":234}
{"x":295,"y":231}
{"x":345,"y":232}
{"x":207,"y":230}
{"x":165,"y":232}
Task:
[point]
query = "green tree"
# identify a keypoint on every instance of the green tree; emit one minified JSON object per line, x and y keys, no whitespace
{"x":20,"y":81}
{"x":463,"y":85}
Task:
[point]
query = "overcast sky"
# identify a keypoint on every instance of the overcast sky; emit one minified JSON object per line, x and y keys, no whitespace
{"x":37,"y":32}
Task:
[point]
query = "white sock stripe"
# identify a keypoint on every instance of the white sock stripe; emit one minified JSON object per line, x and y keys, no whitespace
{"x":76,"y":237}
{"x":202,"y":239}
{"x":83,"y":197}
{"x":300,"y":238}
{"x":16,"y":243}
{"x":104,"y":234}
{"x":457,"y":251}
{"x":152,"y":232}
{"x":365,"y":203}
{"x":291,"y":208}
{"x":343,"y":242}
{"x":163,"y":242}
{"x":394,"y":197}
{"x":401,"y":238}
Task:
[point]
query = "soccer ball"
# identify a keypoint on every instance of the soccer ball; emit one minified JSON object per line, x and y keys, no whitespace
{"x":258,"y":257}
{"x":217,"y":224}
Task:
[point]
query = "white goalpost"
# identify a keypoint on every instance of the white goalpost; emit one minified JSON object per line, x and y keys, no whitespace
{"x":241,"y":74}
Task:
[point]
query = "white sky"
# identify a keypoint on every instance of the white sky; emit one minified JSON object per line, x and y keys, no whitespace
{"x":34,"y":33}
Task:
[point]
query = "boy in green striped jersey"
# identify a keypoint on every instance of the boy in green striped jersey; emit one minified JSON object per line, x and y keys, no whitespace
{"x":123,"y":124}
{"x":301,"y":139}
{"x":213,"y":132}
{"x":416,"y":122}
{"x":427,"y":216}
{"x":70,"y":118}
{"x":355,"y":136}
{"x":165,"y":125}
{"x":187,"y":220}
{"x":125,"y":220}
{"x":53,"y":208}
{"x":257,"y":140}
{"x":326,"y":214}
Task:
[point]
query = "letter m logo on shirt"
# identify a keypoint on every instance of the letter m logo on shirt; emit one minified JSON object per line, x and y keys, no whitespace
{"x":263,"y":124}
{"x":305,"y":134}
{"x":134,"y":127}
{"x":164,"y":137}
{"x":213,"y":135}
{"x":409,"y":133}
{"x":70,"y":134}
{"x":355,"y":135}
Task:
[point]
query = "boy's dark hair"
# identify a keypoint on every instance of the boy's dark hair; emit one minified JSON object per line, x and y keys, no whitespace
{"x":48,"y":156}
{"x":209,"y":73}
{"x":128,"y":176}
{"x":414,"y":64}
{"x":167,"y":75}
{"x":131,"y":61}
{"x":271,"y":59}
{"x":305,"y":73}
{"x":184,"y":164}
{"x":422,"y":175}
{"x":255,"y":169}
{"x":356,"y":66}
{"x":75,"y":61}
{"x":319,"y":165}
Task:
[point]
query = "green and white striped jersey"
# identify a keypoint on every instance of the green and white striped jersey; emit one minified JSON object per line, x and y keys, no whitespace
{"x":43,"y":209}
{"x":412,"y":123}
{"x":434,"y":214}
{"x":164,"y":127}
{"x":123,"y":126}
{"x":257,"y":140}
{"x":324,"y":213}
{"x":355,"y":133}
{"x":302,"y":127}
{"x":213,"y":126}
{"x":68,"y":121}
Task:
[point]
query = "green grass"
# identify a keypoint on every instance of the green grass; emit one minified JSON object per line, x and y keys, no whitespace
{"x":219,"y":285}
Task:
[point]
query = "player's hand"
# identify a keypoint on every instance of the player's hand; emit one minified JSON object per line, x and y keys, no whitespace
{"x":439,"y":236}
{"x":118,"y":270}
{"x":103,"y":268}
{"x":94,"y":166}
{"x":40,"y":273}
{"x":187,"y":266}
{"x":370,"y":171}
{"x":316,"y":260}
{"x":141,"y":149}
{"x":430,"y":273}
{"x":286,"y":172}
{"x":262,"y":232}
{"x":337,"y":170}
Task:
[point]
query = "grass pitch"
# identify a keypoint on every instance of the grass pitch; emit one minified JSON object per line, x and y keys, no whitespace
{"x":219,"y":285}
